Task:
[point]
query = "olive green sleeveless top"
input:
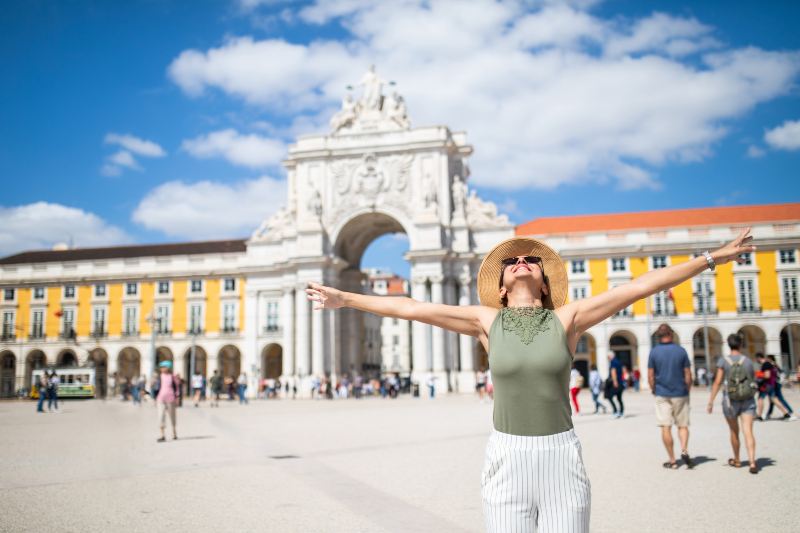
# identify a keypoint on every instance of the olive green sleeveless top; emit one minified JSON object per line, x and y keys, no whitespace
{"x":530,"y":364}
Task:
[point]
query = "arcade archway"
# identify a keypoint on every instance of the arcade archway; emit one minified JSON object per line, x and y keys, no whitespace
{"x":790,"y":346}
{"x":99,"y":359}
{"x":229,"y":362}
{"x":66,"y":358}
{"x":625,"y":347}
{"x":8,"y":374}
{"x":755,"y":340}
{"x":128,"y":364}
{"x":35,"y":360}
{"x":272,"y":361}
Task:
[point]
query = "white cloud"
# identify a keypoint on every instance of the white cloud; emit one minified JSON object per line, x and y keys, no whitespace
{"x":40,"y":225}
{"x":755,"y":152}
{"x":249,"y":150}
{"x":784,"y":137}
{"x":208,"y":210}
{"x":550,"y":95}
{"x":116,"y":162}
{"x":138,"y":146}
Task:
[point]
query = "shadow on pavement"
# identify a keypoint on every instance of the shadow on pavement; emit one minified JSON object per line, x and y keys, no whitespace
{"x":763,"y":462}
{"x":198,"y":437}
{"x":700,"y":459}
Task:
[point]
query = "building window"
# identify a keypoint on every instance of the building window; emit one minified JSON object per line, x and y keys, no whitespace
{"x":703,"y":297}
{"x":37,"y":324}
{"x":69,"y":291}
{"x":131,"y":321}
{"x":229,"y":317}
{"x":578,"y":293}
{"x":662,"y":304}
{"x":787,"y":257}
{"x":38,"y":293}
{"x":618,"y":264}
{"x":9,"y":294}
{"x":197,"y":286}
{"x":395,"y":340}
{"x":791,"y":301}
{"x":229,"y":284}
{"x":8,"y":325}
{"x":195,"y":319}
{"x":273,"y":319}
{"x":163,"y":287}
{"x":659,"y":261}
{"x":747,"y":259}
{"x":578,"y":266}
{"x":747,"y":295}
{"x":131,"y":289}
{"x":68,"y":323}
{"x":99,"y":321}
{"x":162,"y":319}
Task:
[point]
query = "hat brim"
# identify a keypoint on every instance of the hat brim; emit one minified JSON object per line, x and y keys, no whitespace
{"x":492,"y":266}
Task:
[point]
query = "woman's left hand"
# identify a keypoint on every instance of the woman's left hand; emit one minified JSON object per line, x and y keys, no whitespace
{"x":734,"y":249}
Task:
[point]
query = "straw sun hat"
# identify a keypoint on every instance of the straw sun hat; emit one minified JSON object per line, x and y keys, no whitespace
{"x":492,"y":266}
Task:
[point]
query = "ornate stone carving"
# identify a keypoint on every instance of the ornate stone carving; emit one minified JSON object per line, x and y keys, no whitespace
{"x":483,"y":214}
{"x":275,"y":227}
{"x":315,"y":204}
{"x":369,"y":177}
{"x":399,"y":169}
{"x":372,"y":111}
{"x":459,"y":189}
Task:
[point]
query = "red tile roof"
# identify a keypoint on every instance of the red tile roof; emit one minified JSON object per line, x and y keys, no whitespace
{"x":119,"y":252}
{"x":677,"y":218}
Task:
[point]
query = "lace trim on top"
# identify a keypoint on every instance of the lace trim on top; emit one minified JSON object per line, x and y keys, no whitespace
{"x":526,"y":322}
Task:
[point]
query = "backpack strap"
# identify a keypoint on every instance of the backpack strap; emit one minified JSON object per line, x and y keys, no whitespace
{"x":730,"y":361}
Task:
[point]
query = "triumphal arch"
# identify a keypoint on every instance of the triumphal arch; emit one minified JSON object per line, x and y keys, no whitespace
{"x":372,"y":174}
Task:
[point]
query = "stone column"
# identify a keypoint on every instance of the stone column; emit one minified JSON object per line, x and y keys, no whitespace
{"x":419,"y":332}
{"x":318,"y":342}
{"x":287,"y":317}
{"x":438,"y":333}
{"x":466,"y":378}
{"x":302,"y":333}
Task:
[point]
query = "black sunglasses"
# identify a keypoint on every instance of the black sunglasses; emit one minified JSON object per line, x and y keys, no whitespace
{"x":508,"y":261}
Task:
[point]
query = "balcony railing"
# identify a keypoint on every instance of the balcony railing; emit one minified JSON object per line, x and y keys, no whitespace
{"x":36,"y":334}
{"x":67,"y":333}
{"x":230,"y":330}
{"x":707,"y":311}
{"x":625,"y":313}
{"x":790,"y":309}
{"x":130,"y":333}
{"x":195,"y":331}
{"x":664,"y":313}
{"x":99,"y":334}
{"x":750,"y":310}
{"x":7,"y":337}
{"x":272,"y":328}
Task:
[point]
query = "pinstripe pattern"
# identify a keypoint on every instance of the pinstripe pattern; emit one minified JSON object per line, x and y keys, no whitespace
{"x":535,"y":484}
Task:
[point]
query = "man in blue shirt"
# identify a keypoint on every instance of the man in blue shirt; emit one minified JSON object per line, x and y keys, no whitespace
{"x":670,"y":377}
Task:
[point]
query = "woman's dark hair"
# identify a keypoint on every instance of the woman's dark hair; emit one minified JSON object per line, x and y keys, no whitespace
{"x":594,"y":367}
{"x":504,"y":299}
{"x":735,"y":341}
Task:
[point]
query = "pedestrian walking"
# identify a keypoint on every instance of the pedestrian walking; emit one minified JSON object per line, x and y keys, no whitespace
{"x":241,"y":388}
{"x":737,"y":373}
{"x":779,"y":393}
{"x":766,"y":387}
{"x":216,"y":388}
{"x":533,"y":476}
{"x":615,"y":385}
{"x":596,"y":386}
{"x":669,"y":374}
{"x":41,"y":390}
{"x":575,"y":384}
{"x":52,"y":391}
{"x":197,"y":388}
{"x":431,"y":382}
{"x":480,"y":385}
{"x":165,"y":391}
{"x":136,"y":391}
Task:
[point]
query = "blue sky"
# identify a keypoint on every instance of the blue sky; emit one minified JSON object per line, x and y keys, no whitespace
{"x":157,"y":121}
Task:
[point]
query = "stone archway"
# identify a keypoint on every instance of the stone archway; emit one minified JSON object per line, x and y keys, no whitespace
{"x":272,"y":361}
{"x":128,"y":364}
{"x":339,"y":200}
{"x":8,"y":374}
{"x":755,"y":340}
{"x":35,"y":360}
{"x":703,"y":358}
{"x":66,"y":358}
{"x":200,"y":362}
{"x":790,"y":346}
{"x":624,"y":345}
{"x":585,"y":356}
{"x":229,"y":362}
{"x":99,"y":359}
{"x":163,"y":354}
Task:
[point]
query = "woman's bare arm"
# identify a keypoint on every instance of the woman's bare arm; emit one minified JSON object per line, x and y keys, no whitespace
{"x":473,"y":320}
{"x":583,"y":314}
{"x":715,"y":389}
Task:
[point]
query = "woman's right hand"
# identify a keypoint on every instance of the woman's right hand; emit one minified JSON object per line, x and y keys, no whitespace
{"x":324,"y":297}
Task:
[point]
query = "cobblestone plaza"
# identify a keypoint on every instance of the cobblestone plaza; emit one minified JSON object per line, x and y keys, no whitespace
{"x":362,"y":465}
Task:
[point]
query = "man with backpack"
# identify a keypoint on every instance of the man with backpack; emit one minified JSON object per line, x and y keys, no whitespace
{"x":738,"y":399}
{"x":670,"y":377}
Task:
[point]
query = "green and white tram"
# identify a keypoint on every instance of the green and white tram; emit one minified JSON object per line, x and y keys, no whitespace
{"x":74,"y":382}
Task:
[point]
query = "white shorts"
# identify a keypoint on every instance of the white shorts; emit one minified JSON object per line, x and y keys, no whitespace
{"x":535,"y":484}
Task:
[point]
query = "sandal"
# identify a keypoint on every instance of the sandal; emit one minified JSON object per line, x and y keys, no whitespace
{"x":671,"y":466}
{"x":734,"y":463}
{"x":161,"y":439}
{"x":753,"y":469}
{"x":687,"y":460}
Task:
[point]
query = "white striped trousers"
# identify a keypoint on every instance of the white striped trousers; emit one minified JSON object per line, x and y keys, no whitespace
{"x":535,"y":484}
